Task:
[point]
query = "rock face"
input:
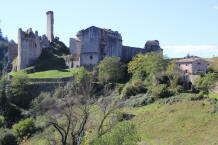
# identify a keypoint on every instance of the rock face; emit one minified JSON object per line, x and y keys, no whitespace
{"x":30,"y":47}
{"x":93,"y":44}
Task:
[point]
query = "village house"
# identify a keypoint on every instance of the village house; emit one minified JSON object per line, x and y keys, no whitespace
{"x":192,"y":66}
{"x":191,"y":69}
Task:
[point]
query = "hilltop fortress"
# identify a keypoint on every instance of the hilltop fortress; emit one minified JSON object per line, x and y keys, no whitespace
{"x":91,"y":45}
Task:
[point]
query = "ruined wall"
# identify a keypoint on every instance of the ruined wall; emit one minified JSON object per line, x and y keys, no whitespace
{"x":50,"y":23}
{"x":129,"y":52}
{"x":12,"y":51}
{"x":30,"y":47}
{"x":75,"y":46}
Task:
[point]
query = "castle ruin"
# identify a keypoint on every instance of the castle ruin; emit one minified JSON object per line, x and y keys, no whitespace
{"x":88,"y":49}
{"x":94,"y":44}
{"x":30,"y":47}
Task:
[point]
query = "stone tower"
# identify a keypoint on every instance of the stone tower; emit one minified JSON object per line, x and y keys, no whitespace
{"x":50,"y":23}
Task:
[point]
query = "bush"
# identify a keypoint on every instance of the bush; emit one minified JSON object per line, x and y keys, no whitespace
{"x":161,"y":91}
{"x":195,"y":97}
{"x":24,"y":127}
{"x":2,"y":121}
{"x":139,"y":100}
{"x":20,"y":91}
{"x":110,"y":70}
{"x":7,"y":138}
{"x":123,"y":134}
{"x":133,"y":88}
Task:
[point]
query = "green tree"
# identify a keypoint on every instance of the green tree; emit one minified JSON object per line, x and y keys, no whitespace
{"x":206,"y":83}
{"x":20,"y":91}
{"x":174,"y":75}
{"x":110,"y":69}
{"x":24,"y":127}
{"x":148,"y":64}
{"x":123,"y":134}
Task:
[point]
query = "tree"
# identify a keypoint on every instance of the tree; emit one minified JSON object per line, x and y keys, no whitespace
{"x":74,"y":109}
{"x":206,"y":83}
{"x":20,"y":91}
{"x":148,"y":64}
{"x":108,"y":118}
{"x":24,"y":127}
{"x":110,"y":69}
{"x":174,"y":74}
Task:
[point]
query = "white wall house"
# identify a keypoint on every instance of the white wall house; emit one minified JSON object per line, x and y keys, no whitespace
{"x":190,"y":66}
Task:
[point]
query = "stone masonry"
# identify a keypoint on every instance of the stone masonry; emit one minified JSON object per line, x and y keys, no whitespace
{"x":50,"y":23}
{"x":30,"y":47}
{"x":93,"y":44}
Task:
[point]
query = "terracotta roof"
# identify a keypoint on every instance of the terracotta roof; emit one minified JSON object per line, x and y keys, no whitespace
{"x":188,"y":59}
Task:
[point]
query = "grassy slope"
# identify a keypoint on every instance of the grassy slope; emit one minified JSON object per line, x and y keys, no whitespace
{"x":58,"y":73}
{"x":182,"y":123}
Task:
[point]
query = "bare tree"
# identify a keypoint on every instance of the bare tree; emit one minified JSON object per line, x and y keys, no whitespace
{"x":74,"y":108}
{"x":109,"y":118}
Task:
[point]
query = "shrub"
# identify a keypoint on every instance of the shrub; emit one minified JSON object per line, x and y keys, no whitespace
{"x":139,"y":100}
{"x":161,"y":91}
{"x":24,"y":127}
{"x":133,"y":88}
{"x":195,"y":97}
{"x":2,"y":121}
{"x":20,"y":91}
{"x":7,"y":137}
{"x":110,"y":70}
{"x":123,"y":134}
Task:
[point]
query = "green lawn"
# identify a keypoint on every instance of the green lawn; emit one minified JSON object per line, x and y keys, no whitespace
{"x":60,"y":73}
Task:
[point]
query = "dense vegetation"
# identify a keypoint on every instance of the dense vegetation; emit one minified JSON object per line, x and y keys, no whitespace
{"x":142,"y":102}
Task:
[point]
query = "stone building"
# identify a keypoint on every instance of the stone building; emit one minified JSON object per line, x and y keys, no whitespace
{"x":191,"y":69}
{"x":30,"y":47}
{"x":192,"y":65}
{"x":93,"y":44}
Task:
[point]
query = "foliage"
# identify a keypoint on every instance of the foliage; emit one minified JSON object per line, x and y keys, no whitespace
{"x":161,"y":91}
{"x":110,"y":70}
{"x":82,"y":76}
{"x":24,"y":127}
{"x":20,"y":91}
{"x":174,"y":75}
{"x":139,"y":100}
{"x":2,"y":121}
{"x":195,"y":97}
{"x":145,"y":65}
{"x":206,"y":83}
{"x":7,"y":137}
{"x":3,"y":53}
{"x":123,"y":134}
{"x":133,"y":88}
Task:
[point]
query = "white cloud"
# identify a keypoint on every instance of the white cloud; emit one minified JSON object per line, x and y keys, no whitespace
{"x":215,"y":7}
{"x":203,"y":50}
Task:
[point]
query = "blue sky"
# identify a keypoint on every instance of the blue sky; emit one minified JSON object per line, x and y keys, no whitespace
{"x":181,"y":26}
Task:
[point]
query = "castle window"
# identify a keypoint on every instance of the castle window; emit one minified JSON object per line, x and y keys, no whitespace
{"x":35,"y":45}
{"x":199,"y":63}
{"x":91,"y":57}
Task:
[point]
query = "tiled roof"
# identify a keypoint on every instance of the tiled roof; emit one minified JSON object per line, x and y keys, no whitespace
{"x":188,"y":59}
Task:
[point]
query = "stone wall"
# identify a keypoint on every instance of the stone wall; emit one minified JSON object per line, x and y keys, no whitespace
{"x":30,"y":47}
{"x":129,"y":52}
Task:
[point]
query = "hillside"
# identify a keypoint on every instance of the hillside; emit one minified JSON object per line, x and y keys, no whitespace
{"x":188,"y":122}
